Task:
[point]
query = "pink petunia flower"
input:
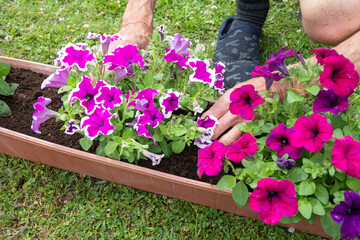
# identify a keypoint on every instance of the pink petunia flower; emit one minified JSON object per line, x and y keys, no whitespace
{"x":219,"y":77}
{"x":339,"y":75}
{"x":322,"y":53}
{"x":144,"y":99}
{"x":57,"y":79}
{"x":76,"y":55}
{"x":97,"y":122}
{"x":169,"y":102}
{"x":311,"y":133}
{"x":208,"y":123}
{"x":244,"y":146}
{"x":86,"y":93}
{"x":281,"y":140}
{"x":346,"y":156}
{"x":178,"y":50}
{"x":210,"y":159}
{"x":109,"y":97}
{"x":42,"y":113}
{"x":269,"y":76}
{"x":202,"y":72}
{"x":274,"y":199}
{"x":105,"y":40}
{"x":244,"y":100}
{"x":151,"y":116}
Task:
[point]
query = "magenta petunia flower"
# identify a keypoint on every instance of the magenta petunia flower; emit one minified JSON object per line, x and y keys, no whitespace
{"x":202,"y":73}
{"x":57,"y":79}
{"x":86,"y":93}
{"x":105,"y":40}
{"x":243,"y":101}
{"x":328,"y":101}
{"x":151,"y":116}
{"x":244,"y":146}
{"x":347,"y":213}
{"x":155,"y":158}
{"x":76,"y":55}
{"x":281,"y":140}
{"x":270,"y":77}
{"x":207,"y":123}
{"x":273,"y":199}
{"x":108,"y":97}
{"x":210,"y":159}
{"x":144,"y":99}
{"x":142,"y":129}
{"x":178,"y":46}
{"x":121,"y":60}
{"x":41,"y":113}
{"x":346,"y":156}
{"x":219,"y":77}
{"x":339,"y":75}
{"x":311,"y":133}
{"x":97,"y":122}
{"x":322,"y":53}
{"x":71,"y":127}
{"x":276,"y":61}
{"x":169,"y":102}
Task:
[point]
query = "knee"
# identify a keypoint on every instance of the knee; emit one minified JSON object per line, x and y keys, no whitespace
{"x":330,"y":22}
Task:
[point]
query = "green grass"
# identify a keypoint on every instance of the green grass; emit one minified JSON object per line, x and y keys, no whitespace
{"x":41,"y":202}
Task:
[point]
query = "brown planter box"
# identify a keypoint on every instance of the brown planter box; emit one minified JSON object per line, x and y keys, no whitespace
{"x":40,"y":151}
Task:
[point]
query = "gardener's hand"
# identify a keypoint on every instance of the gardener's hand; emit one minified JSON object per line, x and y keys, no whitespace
{"x":229,"y":121}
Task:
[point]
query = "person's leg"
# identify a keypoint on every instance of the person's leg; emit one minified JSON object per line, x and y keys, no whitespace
{"x":330,"y":22}
{"x":238,"y":41}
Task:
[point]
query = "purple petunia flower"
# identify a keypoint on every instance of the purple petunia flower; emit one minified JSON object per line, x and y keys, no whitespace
{"x":281,"y":140}
{"x":151,"y":116}
{"x":105,"y":40}
{"x":121,"y":60}
{"x":74,"y":54}
{"x":322,"y":53}
{"x":346,"y":156}
{"x":300,"y":57}
{"x":169,"y":102}
{"x":207,"y":123}
{"x":142,"y":129}
{"x":108,"y":97}
{"x":57,"y":79}
{"x":219,"y":77}
{"x":270,"y":77}
{"x":41,"y":113}
{"x":210,"y":159}
{"x":155,"y":158}
{"x":244,"y":100}
{"x":179,"y":45}
{"x":328,"y":101}
{"x":285,"y":163}
{"x":311,"y":133}
{"x":339,"y":75}
{"x":97,"y":122}
{"x":162,"y":31}
{"x":144,"y":99}
{"x":202,"y":72}
{"x":86,"y":93}
{"x":276,"y":61}
{"x":71,"y":127}
{"x":273,"y":199}
{"x":347,"y":213}
{"x":243,"y":147}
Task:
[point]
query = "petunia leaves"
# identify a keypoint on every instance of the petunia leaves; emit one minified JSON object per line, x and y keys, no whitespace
{"x":307,"y":187}
{"x":226,"y":182}
{"x":305,"y":208}
{"x":329,"y":225}
{"x":240,"y":194}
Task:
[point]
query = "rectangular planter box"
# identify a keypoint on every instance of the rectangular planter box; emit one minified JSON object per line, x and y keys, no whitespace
{"x":40,"y":151}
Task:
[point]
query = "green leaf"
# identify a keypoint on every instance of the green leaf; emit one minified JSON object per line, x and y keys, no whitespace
{"x":165,"y":148}
{"x":178,"y":146}
{"x":4,"y":109}
{"x":297,"y":175}
{"x":294,"y":219}
{"x":353,"y":184}
{"x":85,"y":143}
{"x":148,"y":79}
{"x":294,"y":96}
{"x":305,"y":208}
{"x":226,"y":182}
{"x":127,"y":133}
{"x":307,"y":187}
{"x":312,"y":89}
{"x":322,"y":193}
{"x":329,"y":225}
{"x":240,"y":194}
{"x":317,"y":207}
{"x":4,"y":69}
{"x":5,"y":89}
{"x":110,"y":147}
{"x":128,"y":155}
{"x":337,"y":121}
{"x":338,"y":133}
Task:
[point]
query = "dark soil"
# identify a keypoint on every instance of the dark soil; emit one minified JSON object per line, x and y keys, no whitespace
{"x":184,"y":164}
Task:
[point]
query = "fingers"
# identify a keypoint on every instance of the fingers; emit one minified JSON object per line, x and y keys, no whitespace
{"x":225,"y":122}
{"x":221,"y":106}
{"x":231,"y":136}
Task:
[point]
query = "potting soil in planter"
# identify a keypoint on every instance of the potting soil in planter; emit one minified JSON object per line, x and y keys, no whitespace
{"x":21,"y":105}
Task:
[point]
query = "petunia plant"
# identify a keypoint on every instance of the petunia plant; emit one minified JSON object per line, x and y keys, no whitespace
{"x":133,"y":104}
{"x":299,"y":156}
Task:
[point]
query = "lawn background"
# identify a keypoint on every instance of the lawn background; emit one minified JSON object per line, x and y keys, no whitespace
{"x":42,"y":202}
